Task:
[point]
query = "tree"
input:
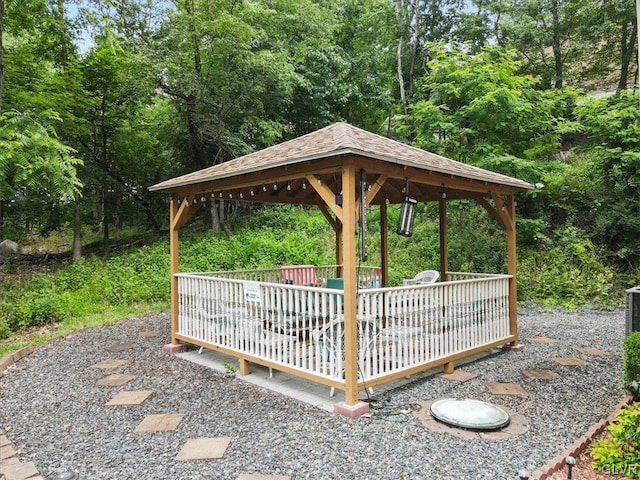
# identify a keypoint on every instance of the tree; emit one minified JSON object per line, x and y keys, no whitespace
{"x":476,"y":105}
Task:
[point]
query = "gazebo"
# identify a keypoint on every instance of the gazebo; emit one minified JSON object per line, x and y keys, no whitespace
{"x":343,"y":325}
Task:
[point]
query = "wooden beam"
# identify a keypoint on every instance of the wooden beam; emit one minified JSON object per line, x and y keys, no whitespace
{"x":328,"y":196}
{"x":501,"y":209}
{"x":332,"y":221}
{"x":384,"y":245}
{"x":376,"y":185}
{"x":512,"y":267}
{"x":491,"y":210}
{"x":349,"y":276}
{"x":175,"y":263}
{"x":444,"y":248}
{"x":184,"y":212}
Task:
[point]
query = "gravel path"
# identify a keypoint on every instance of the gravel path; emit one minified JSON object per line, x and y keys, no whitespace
{"x":52,"y":411}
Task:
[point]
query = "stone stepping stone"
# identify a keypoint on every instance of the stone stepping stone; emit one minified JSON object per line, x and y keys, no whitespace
{"x":593,"y":351}
{"x":107,"y":364}
{"x":506,"y":389}
{"x":248,"y":476}
{"x":458,"y":376}
{"x":115,"y":380}
{"x":7,"y":451}
{"x":163,"y":422}
{"x":204,"y":448}
{"x":540,"y":374}
{"x":19,"y":471}
{"x":570,"y":361}
{"x":129,"y":398}
{"x":543,"y":340}
{"x":151,"y":334}
{"x":120,"y":347}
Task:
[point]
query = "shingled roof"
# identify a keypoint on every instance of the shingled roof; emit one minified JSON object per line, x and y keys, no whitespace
{"x":336,"y":140}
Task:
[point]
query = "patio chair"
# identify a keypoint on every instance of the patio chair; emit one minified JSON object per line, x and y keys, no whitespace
{"x":427,"y":276}
{"x":304,"y":275}
{"x":330,"y":340}
{"x":254,"y":331}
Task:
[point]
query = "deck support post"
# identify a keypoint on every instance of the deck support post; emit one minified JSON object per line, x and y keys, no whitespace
{"x":444,"y":252}
{"x":175,"y":265}
{"x":512,"y":266}
{"x":384,"y":244}
{"x":179,"y":214}
{"x":349,"y":275}
{"x":448,"y":368}
{"x":243,"y":366}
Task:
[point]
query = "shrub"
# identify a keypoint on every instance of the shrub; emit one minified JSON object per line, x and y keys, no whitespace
{"x":631,"y":375}
{"x":619,"y":451}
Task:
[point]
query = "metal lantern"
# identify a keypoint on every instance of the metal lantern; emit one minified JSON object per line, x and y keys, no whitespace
{"x":407,"y":214}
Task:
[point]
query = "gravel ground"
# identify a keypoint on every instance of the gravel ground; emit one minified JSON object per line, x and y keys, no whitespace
{"x":54,"y":414}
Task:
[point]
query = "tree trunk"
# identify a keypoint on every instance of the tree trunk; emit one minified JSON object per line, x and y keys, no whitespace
{"x":627,"y":50}
{"x":403,"y":99}
{"x":1,"y":51}
{"x":76,"y":253}
{"x":223,"y":223}
{"x":557,"y":52}
{"x":215,"y":217}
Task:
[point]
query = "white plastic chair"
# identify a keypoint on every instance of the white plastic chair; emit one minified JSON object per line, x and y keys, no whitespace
{"x":427,"y":276}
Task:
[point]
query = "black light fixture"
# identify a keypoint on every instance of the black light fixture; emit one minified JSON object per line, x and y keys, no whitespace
{"x":407,"y":213}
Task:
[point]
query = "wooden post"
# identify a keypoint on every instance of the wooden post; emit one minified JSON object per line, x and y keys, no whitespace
{"x":384,"y":244}
{"x":512,"y":266}
{"x":444,"y":252}
{"x":349,"y":276}
{"x":174,"y":228}
{"x":339,"y":246}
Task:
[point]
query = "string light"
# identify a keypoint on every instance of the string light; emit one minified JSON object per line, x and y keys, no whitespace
{"x":252,"y":192}
{"x":275,"y":186}
{"x":264,"y":187}
{"x":304,"y":185}
{"x":288,"y":185}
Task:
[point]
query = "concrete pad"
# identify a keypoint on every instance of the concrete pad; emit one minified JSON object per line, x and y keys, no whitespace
{"x":204,"y":448}
{"x":540,"y":374}
{"x":458,"y":376}
{"x":115,"y":380}
{"x":506,"y":389}
{"x":107,"y":364}
{"x":248,"y":476}
{"x":151,"y":334}
{"x":163,"y":422}
{"x":593,"y":351}
{"x":120,"y":347}
{"x":19,"y":471}
{"x":129,"y":398}
{"x":543,"y":340}
{"x":351,"y":411}
{"x":4,"y":441}
{"x":570,"y":361}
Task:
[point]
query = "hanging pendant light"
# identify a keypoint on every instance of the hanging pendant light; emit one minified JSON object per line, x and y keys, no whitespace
{"x":407,"y":213}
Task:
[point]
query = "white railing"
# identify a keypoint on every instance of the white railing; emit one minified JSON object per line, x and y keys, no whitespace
{"x":300,"y":328}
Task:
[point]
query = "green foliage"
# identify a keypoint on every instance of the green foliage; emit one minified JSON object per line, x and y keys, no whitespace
{"x":569,"y":273}
{"x":476,"y":105}
{"x":631,"y":374}
{"x":619,"y":451}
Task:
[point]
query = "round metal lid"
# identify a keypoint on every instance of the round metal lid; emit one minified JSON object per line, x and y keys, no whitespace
{"x":469,"y":414}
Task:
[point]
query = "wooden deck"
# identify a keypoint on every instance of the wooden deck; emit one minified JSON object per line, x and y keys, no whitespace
{"x":262,"y":317}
